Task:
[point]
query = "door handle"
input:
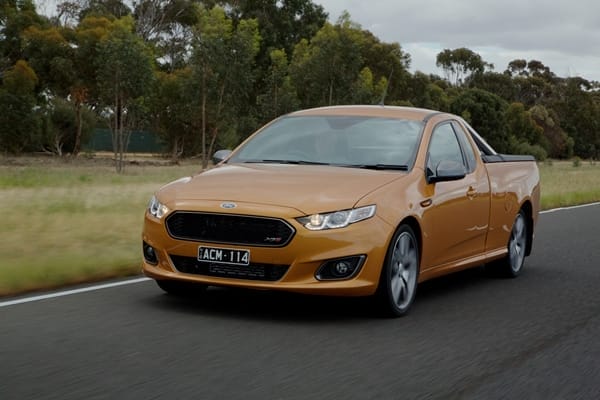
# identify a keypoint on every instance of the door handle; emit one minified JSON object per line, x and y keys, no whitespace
{"x":472,"y":192}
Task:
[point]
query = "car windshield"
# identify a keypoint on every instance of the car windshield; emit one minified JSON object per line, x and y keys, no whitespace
{"x":350,"y":141}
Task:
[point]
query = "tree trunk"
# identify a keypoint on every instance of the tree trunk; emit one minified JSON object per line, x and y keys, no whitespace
{"x":213,"y":140}
{"x":204,"y":158}
{"x":330,"y":92}
{"x":78,"y":123}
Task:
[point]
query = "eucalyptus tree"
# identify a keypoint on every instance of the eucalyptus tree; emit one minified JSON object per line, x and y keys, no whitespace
{"x":107,"y":8}
{"x":560,"y":144}
{"x":579,"y":111}
{"x":168,"y":26}
{"x":423,"y":91}
{"x":325,"y":69}
{"x":501,"y":84}
{"x":223,"y":62}
{"x":459,"y":64}
{"x":330,"y":68}
{"x":173,"y":111}
{"x":524,"y":134}
{"x":124,"y":77}
{"x":15,"y":17}
{"x":486,"y":113}
{"x":388,"y":63}
{"x":19,"y":124}
{"x":282,"y":23}
{"x":279,"y":95}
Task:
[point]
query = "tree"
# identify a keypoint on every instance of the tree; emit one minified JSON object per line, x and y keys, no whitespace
{"x":51,"y":56}
{"x":517,"y":67}
{"x":365,"y":90}
{"x":500,"y":84}
{"x":422,"y":92}
{"x":579,"y":113}
{"x":560,"y":145}
{"x":155,"y":17}
{"x":124,"y":77}
{"x":460,"y":63}
{"x":67,"y":13}
{"x":15,"y":17}
{"x":525,"y":135}
{"x":105,"y":8}
{"x":223,"y":64}
{"x":387,"y":62}
{"x":19,"y":123}
{"x":61,"y":124}
{"x":486,"y":113}
{"x":279,"y":95}
{"x":173,"y":108}
{"x":282,"y":23}
{"x":325,"y":69}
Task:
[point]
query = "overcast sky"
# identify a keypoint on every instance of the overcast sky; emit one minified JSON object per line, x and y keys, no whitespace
{"x":564,"y":35}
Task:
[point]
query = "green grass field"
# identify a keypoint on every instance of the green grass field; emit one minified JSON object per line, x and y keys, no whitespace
{"x":66,"y":223}
{"x":564,"y":185}
{"x":72,"y":222}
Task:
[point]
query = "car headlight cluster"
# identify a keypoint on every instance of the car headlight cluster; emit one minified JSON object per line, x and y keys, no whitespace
{"x":156,"y":208}
{"x":337,"y":219}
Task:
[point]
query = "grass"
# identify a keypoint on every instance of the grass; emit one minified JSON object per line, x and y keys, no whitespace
{"x":563,"y":184}
{"x":68,"y":222}
{"x":65,"y":223}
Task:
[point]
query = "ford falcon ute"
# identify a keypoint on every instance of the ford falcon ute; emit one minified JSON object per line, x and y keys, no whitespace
{"x":345,"y":201}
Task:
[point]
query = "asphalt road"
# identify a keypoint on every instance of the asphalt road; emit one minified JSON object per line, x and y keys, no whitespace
{"x":468,"y":336}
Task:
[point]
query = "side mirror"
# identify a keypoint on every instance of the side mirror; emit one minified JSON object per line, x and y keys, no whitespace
{"x":220,"y":155}
{"x":448,"y":170}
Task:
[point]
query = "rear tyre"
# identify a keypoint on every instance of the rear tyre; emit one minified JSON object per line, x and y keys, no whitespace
{"x":399,"y":275}
{"x":512,"y":264}
{"x":181,"y":289}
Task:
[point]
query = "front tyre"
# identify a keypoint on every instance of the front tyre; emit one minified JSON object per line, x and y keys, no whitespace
{"x":399,"y":275}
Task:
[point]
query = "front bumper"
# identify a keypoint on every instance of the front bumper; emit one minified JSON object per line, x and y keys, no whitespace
{"x":302,"y":257}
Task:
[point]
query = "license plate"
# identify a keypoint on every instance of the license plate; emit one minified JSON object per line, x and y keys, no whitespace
{"x":224,"y":256}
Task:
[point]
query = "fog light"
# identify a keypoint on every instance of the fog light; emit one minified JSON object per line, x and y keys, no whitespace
{"x":342,"y":268}
{"x":149,"y":254}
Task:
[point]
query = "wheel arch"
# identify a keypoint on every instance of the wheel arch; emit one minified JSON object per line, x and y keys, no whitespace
{"x":416,"y":227}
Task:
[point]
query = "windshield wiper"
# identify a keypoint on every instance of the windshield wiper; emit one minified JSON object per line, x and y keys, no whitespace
{"x":397,"y":167}
{"x":295,"y":162}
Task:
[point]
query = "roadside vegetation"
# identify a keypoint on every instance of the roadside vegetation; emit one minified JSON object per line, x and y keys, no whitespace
{"x":65,"y":223}
{"x":204,"y":74}
{"x":567,"y":183}
{"x":69,"y":222}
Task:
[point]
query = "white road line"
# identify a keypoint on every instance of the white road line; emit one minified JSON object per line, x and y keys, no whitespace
{"x":138,"y":280}
{"x":569,"y":208}
{"x":70,"y":292}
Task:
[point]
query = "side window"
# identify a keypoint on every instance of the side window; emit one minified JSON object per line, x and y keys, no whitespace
{"x":467,"y":147}
{"x":444,"y":145}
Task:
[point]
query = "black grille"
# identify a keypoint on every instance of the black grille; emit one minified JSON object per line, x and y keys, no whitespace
{"x":257,"y":272}
{"x":227,"y":228}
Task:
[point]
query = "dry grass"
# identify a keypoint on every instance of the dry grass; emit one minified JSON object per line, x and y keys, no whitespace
{"x":565,"y":185}
{"x":66,"y":222}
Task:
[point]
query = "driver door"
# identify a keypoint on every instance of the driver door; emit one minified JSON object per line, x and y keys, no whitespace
{"x":456,"y":222}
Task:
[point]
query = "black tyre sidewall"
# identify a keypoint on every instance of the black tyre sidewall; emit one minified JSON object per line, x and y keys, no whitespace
{"x":385,"y":291}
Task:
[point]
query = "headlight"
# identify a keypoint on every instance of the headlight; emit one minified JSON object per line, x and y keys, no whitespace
{"x":156,"y":208}
{"x":337,"y":219}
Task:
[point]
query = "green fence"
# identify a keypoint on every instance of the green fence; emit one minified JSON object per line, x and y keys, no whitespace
{"x":139,"y":142}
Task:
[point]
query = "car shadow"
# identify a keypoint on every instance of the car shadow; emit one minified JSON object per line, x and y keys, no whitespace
{"x":274,"y":305}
